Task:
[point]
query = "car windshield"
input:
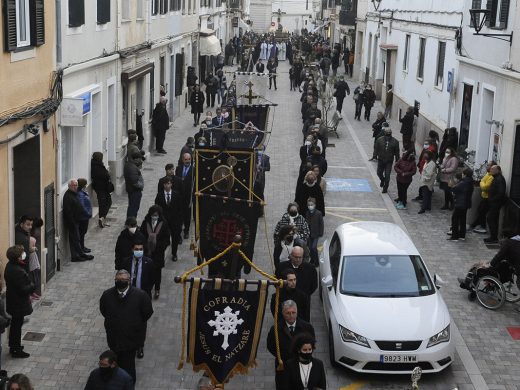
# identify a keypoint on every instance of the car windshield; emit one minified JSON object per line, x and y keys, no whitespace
{"x":385,"y":276}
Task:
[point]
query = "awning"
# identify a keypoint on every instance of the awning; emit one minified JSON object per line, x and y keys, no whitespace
{"x":137,"y":72}
{"x":388,"y":46}
{"x":209,"y":43}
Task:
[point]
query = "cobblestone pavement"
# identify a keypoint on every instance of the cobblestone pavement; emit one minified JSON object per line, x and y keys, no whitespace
{"x":73,"y":327}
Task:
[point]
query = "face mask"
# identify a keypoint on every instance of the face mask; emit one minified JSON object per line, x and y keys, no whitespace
{"x":447,"y":154}
{"x":121,"y":285}
{"x":226,"y":114}
{"x":106,"y":372}
{"x":305,"y":357}
{"x":310,"y":183}
{"x":24,"y":256}
{"x":311,"y":207}
{"x":132,"y":230}
{"x":293,"y":212}
{"x":202,"y":144}
{"x":208,"y":122}
{"x":138,"y":254}
{"x":308,"y":143}
{"x":155,"y":218}
{"x":425,"y":146}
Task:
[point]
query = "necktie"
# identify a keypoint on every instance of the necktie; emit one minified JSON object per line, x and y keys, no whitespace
{"x":291,"y":330}
{"x":168,"y":198}
{"x":134,"y":276}
{"x":184,"y":172}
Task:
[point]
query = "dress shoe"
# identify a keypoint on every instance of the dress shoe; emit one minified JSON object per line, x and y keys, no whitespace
{"x":140,"y":353}
{"x":381,"y":183}
{"x":385,"y":190}
{"x":421,"y":211}
{"x":490,"y":240}
{"x":101,"y":223}
{"x":445,"y":207}
{"x":87,"y":250}
{"x":87,"y":257}
{"x":174,"y":258}
{"x":186,"y":235}
{"x":20,"y":354}
{"x":156,"y":294}
{"x":77,"y":259}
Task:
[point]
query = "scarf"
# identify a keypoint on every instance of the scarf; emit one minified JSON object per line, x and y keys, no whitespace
{"x":152,"y":237}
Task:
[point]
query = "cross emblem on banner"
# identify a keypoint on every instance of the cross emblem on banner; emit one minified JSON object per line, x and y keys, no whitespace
{"x":225,"y":231}
{"x":226,"y":324}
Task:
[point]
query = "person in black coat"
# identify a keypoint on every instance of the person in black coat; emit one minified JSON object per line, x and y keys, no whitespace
{"x":169,"y":170}
{"x":197,"y":104}
{"x":170,"y":201}
{"x":304,"y":365}
{"x":462,"y":192}
{"x":156,"y":239}
{"x":211,"y":83}
{"x":377,"y":131}
{"x":18,"y":302}
{"x":102,"y":184}
{"x":108,"y":376}
{"x":125,"y":241}
{"x":369,"y":98}
{"x":291,"y":292}
{"x":126,"y":310}
{"x":496,"y":199}
{"x":317,"y":158}
{"x":305,"y":272}
{"x":510,"y":252}
{"x":309,"y":189}
{"x":288,"y":328}
{"x":143,"y":276}
{"x":22,"y":234}
{"x":407,"y":128}
{"x":341,"y":91}
{"x":450,"y":140}
{"x":184,"y":173}
{"x":260,"y":67}
{"x":72,"y":213}
{"x":134,"y":183}
{"x":160,"y":123}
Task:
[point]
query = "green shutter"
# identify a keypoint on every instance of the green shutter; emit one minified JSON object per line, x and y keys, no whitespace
{"x":9,"y":9}
{"x":37,"y":22}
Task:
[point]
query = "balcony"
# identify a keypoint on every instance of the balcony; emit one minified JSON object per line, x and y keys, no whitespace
{"x":348,"y":12}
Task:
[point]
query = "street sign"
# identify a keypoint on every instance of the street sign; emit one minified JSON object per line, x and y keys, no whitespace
{"x":72,"y":112}
{"x":450,"y":82}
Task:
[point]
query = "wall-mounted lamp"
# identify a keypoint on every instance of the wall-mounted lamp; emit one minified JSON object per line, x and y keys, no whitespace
{"x":32,"y":128}
{"x":376,"y":4}
{"x":478,"y":19}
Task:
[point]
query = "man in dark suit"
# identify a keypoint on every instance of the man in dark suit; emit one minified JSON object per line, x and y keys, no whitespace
{"x":263,"y":165}
{"x":170,"y":172}
{"x":219,"y":120}
{"x":140,"y":268}
{"x":288,"y":328}
{"x":170,"y":200}
{"x":291,"y":292}
{"x":305,"y":272}
{"x":126,"y":310}
{"x":185,"y":172}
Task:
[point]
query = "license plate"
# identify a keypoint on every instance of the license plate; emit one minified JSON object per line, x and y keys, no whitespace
{"x":398,"y":359}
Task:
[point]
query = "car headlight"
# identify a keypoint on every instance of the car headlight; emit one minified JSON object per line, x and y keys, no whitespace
{"x":351,"y":337}
{"x":441,"y":337}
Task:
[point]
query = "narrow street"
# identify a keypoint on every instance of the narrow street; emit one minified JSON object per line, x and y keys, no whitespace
{"x":73,"y":327}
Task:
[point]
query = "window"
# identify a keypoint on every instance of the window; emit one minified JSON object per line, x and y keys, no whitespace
{"x":125,"y":10}
{"x":331,"y":4}
{"x":103,"y":11}
{"x":420,"y":64}
{"x":499,"y":13}
{"x":164,"y":7}
{"x":155,"y":6}
{"x":139,"y":9}
{"x":441,"y":54}
{"x":406,"y":52}
{"x":76,"y":13}
{"x":23,"y":24}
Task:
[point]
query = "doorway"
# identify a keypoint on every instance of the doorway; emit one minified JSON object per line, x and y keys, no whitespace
{"x":465,"y":116}
{"x":484,"y":135}
{"x":26,"y":178}
{"x":96,"y":127}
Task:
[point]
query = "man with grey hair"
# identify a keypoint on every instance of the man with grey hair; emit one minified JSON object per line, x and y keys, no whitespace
{"x":305,"y":272}
{"x":72,"y":213}
{"x":289,"y":327}
{"x":126,"y":310}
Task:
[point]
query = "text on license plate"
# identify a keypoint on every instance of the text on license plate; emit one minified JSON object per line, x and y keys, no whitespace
{"x":397,"y":358}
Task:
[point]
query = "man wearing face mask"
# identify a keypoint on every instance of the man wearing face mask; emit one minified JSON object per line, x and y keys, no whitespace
{"x":386,"y":150}
{"x":310,"y":189}
{"x":305,"y":272}
{"x":292,"y":218}
{"x":108,"y":375}
{"x":18,"y":302}
{"x":125,"y":241}
{"x":126,"y":310}
{"x":134,"y":184}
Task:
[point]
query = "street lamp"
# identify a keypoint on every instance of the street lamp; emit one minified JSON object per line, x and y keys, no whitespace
{"x":478,"y":19}
{"x":376,"y":4}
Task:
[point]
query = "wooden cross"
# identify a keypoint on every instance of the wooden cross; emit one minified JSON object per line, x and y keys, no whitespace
{"x":250,"y":95}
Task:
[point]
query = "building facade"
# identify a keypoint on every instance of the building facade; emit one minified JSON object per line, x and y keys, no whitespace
{"x":28,"y":130}
{"x":293,"y":15}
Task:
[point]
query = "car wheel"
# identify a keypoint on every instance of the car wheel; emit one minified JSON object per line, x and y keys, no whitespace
{"x":332,"y":356}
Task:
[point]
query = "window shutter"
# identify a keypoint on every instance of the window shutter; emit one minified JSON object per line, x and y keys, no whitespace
{"x":9,"y":25}
{"x":504,"y":13}
{"x":155,"y":6}
{"x":103,"y":11}
{"x":491,"y":6}
{"x":475,"y":4}
{"x":76,"y":13}
{"x":37,"y":22}
{"x":179,"y":68}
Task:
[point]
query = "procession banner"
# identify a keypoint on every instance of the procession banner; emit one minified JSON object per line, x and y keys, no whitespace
{"x":224,"y":328}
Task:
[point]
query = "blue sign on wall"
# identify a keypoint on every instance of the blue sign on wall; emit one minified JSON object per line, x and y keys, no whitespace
{"x":348,"y":185}
{"x":450,"y":81}
{"x":86,"y":102}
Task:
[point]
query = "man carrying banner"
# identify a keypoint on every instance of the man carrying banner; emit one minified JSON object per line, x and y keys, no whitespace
{"x":288,"y":328}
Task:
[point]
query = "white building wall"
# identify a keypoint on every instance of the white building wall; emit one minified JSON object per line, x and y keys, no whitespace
{"x":260,"y":14}
{"x":295,"y":14}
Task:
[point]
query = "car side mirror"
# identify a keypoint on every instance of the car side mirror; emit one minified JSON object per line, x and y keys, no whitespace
{"x":437,"y":281}
{"x":327,"y":281}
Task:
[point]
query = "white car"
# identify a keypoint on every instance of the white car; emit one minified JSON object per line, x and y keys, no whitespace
{"x":382,"y":306}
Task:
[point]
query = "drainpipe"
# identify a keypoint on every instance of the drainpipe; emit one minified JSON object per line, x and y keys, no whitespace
{"x":58,"y":34}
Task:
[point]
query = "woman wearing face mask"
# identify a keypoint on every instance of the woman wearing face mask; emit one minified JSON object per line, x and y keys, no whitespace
{"x":314,"y":219}
{"x":304,"y":371}
{"x":157,"y":238}
{"x":428,"y":146}
{"x":405,"y":169}
{"x":18,"y":303}
{"x":125,"y":241}
{"x":197,"y":104}
{"x":305,"y":149}
{"x":293,"y":218}
{"x":449,"y":166}
{"x":368,"y":101}
{"x":321,"y":180}
{"x":310,"y":189}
